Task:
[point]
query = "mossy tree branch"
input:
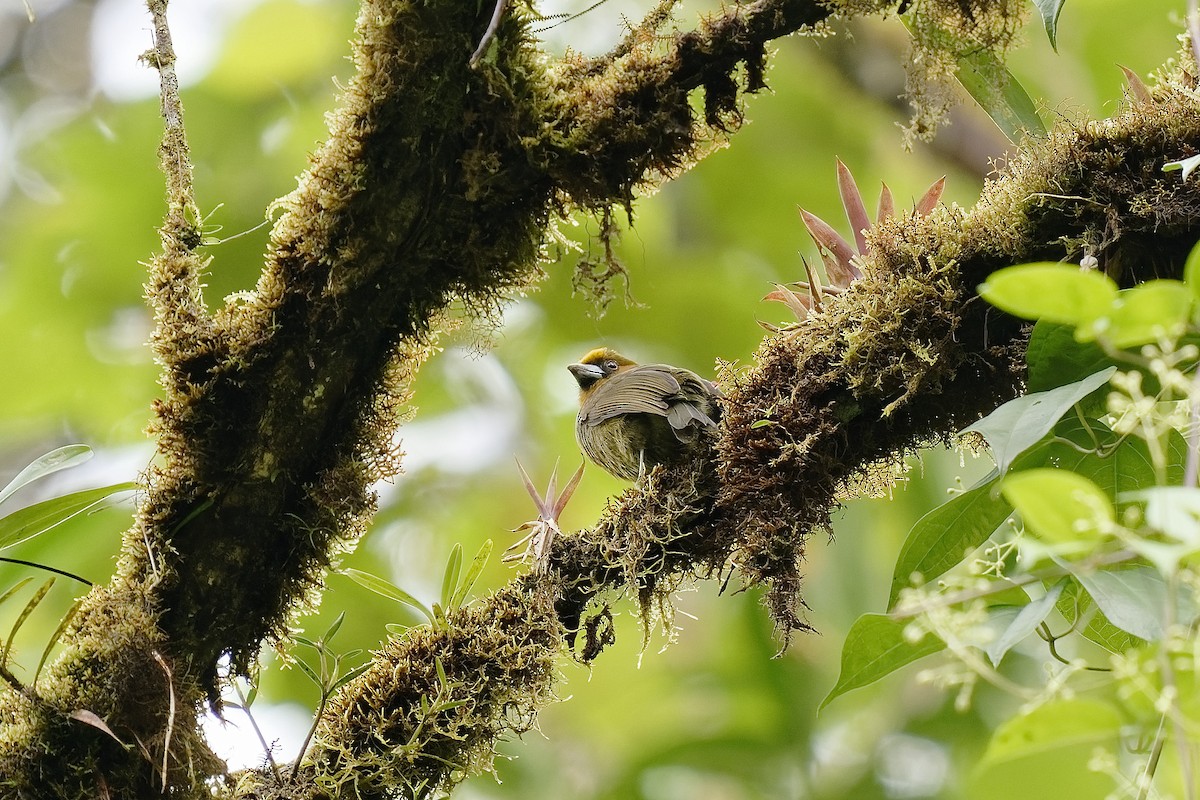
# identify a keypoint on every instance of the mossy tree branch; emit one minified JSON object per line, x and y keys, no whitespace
{"x":439,"y":182}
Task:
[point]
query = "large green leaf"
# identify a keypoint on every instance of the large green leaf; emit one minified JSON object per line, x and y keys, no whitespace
{"x":1059,"y":506}
{"x":1075,"y":604}
{"x":1135,"y":599}
{"x":1019,"y":424}
{"x":38,"y":518}
{"x":875,"y":647}
{"x":1045,"y":753}
{"x":1052,"y":291}
{"x":1145,"y":314}
{"x":1055,"y":358}
{"x":941,"y":538}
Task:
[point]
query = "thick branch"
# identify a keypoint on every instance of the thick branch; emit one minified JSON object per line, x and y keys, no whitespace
{"x":906,"y":357}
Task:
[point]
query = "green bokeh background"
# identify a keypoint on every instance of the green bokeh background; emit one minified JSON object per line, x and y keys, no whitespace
{"x":713,"y":715}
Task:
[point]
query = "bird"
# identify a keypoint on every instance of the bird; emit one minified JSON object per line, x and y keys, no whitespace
{"x":635,"y":416}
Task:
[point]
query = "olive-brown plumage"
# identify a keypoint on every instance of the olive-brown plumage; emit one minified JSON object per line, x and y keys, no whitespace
{"x":634,"y":416}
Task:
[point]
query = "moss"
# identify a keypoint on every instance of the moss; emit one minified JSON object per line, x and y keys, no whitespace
{"x":430,"y":709}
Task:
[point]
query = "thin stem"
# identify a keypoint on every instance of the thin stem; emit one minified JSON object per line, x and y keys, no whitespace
{"x":55,"y":570}
{"x":311,"y":730}
{"x":1152,"y":763}
{"x":1087,"y":565}
{"x":175,"y":152}
{"x":257,"y":731}
{"x":1193,"y":438}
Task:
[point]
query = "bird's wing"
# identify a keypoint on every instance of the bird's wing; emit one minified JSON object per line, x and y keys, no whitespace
{"x":641,"y":390}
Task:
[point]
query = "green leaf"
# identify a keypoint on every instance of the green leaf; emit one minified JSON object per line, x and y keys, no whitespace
{"x":1135,"y":599}
{"x":1000,"y":95}
{"x":1028,"y":618}
{"x":54,"y":637}
{"x":1051,"y":291}
{"x":38,"y":518}
{"x":1059,"y":506}
{"x":1019,"y":424}
{"x":473,"y":573}
{"x":310,"y":672}
{"x":1050,"y":9}
{"x":1045,"y":753}
{"x":1076,"y":604}
{"x":450,"y":578}
{"x":941,"y":538}
{"x":1055,"y":358}
{"x":388,"y":590}
{"x":1186,"y":165}
{"x":10,"y":591}
{"x":333,"y":628}
{"x":349,"y":676}
{"x":38,"y":595}
{"x":62,"y":458}
{"x":1191,"y":271}
{"x":875,"y":647}
{"x":1146,"y":313}
{"x":1171,"y":510}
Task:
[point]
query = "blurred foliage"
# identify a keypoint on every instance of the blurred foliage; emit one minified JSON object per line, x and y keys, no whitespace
{"x":714,"y":715}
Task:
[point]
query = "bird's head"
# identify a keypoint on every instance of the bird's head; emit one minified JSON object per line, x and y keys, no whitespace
{"x":598,"y":365}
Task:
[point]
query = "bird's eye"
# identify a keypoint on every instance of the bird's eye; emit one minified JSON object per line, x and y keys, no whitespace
{"x":610,"y":366}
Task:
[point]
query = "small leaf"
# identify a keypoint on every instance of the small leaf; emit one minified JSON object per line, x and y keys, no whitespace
{"x":62,"y":458}
{"x":349,"y":676}
{"x":14,"y":589}
{"x":875,"y":647}
{"x":473,"y":573}
{"x":1051,"y":291}
{"x":1187,"y":165}
{"x":38,"y":518}
{"x":54,"y":637}
{"x":1059,"y":506}
{"x":836,"y":253}
{"x":929,"y":200}
{"x":1000,"y":95}
{"x":532,"y":490}
{"x":560,"y":503}
{"x":388,"y":590}
{"x":1019,"y":424}
{"x":310,"y":672}
{"x":1137,"y":87}
{"x":38,"y":595}
{"x":887,"y":205}
{"x":450,"y":577}
{"x":1026,"y":622}
{"x":93,"y":719}
{"x":333,"y":628}
{"x":1050,"y":9}
{"x":852,"y":202}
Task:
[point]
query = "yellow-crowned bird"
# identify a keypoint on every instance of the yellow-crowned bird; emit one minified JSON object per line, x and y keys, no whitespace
{"x":634,"y":416}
